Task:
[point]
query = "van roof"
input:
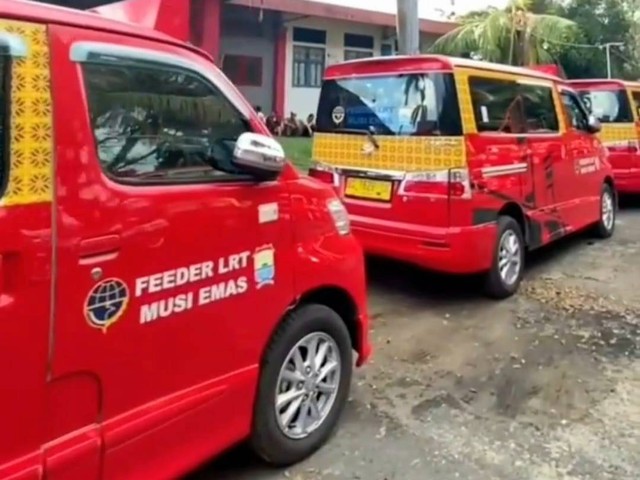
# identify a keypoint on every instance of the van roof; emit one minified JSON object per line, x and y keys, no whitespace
{"x":585,"y":82}
{"x":411,"y":63}
{"x":52,"y":14}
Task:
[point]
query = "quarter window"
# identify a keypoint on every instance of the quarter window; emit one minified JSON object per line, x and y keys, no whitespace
{"x":511,"y":107}
{"x":161,"y":124}
{"x":496,"y":105}
{"x":636,"y":102}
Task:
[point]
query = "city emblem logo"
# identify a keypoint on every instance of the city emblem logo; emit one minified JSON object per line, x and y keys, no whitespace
{"x":106,"y":303}
{"x":264,"y":266}
{"x":338,"y":114}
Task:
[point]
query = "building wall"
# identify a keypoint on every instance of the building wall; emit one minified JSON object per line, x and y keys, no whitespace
{"x":302,"y":100}
{"x":248,"y":33}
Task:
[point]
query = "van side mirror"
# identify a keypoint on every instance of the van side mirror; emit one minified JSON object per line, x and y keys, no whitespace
{"x":259,"y":155}
{"x":593,"y":124}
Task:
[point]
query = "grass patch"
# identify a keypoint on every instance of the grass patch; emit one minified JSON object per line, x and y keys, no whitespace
{"x":298,"y":150}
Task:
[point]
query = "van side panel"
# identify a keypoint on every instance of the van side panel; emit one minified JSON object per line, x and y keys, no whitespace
{"x":26,"y":257}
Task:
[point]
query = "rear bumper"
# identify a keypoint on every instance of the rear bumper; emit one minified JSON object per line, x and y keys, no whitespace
{"x":463,"y":250}
{"x":627,"y":181}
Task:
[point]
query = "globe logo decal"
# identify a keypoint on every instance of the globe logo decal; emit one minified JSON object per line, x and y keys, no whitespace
{"x":106,"y":303}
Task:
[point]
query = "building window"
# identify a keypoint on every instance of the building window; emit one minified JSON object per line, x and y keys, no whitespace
{"x":356,"y":54}
{"x":386,"y":50}
{"x":243,"y":70}
{"x":364,"y":42}
{"x":309,"y":35}
{"x":308,"y":66}
{"x":357,"y":46}
{"x":161,"y":124}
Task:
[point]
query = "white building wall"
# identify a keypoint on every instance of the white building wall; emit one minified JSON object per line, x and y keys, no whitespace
{"x":304,"y":101}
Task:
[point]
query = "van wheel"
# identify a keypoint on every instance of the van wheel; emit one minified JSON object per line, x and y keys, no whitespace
{"x":607,"y":222}
{"x":507,"y":269}
{"x":303,"y":386}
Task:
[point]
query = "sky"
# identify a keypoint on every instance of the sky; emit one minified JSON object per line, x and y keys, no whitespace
{"x":432,"y":9}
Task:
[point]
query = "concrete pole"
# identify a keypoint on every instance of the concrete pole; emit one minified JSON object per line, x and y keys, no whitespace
{"x":408,"y":27}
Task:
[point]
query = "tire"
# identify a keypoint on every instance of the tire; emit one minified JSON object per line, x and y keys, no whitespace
{"x":268,"y":439}
{"x":605,"y":228}
{"x":496,"y":286}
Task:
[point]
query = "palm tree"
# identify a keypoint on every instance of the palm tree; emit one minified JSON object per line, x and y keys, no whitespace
{"x":513,"y":35}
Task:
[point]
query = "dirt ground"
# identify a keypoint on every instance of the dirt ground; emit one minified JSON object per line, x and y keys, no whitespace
{"x":543,"y":386}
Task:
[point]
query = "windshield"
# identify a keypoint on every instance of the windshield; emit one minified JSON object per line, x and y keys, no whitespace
{"x":610,"y":106}
{"x":408,"y":104}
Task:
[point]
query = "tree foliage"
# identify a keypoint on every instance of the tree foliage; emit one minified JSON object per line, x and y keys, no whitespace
{"x":566,"y":32}
{"x":516,"y":35}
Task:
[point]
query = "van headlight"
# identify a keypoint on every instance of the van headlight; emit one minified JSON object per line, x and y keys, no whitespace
{"x":340,"y":216}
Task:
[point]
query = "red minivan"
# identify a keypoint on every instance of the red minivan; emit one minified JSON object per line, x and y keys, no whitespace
{"x":460,"y":166}
{"x":169,"y":285}
{"x":616,"y":104}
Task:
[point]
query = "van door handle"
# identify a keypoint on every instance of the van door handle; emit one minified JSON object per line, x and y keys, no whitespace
{"x":100,"y":248}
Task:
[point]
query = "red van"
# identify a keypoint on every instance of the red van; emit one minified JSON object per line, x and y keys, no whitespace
{"x":616,"y":104}
{"x":169,"y":285}
{"x":458,"y":165}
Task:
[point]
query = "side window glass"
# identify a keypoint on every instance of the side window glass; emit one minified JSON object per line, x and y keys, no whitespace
{"x":636,"y":102}
{"x":576,"y":114}
{"x":158,"y":123}
{"x":496,"y":105}
{"x":5,"y":115}
{"x":539,"y":108}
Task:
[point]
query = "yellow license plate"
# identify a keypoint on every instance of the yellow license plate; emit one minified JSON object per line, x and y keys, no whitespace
{"x":369,"y":189}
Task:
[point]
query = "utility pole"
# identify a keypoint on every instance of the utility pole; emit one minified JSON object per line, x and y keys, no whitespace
{"x":408,"y":27}
{"x":607,"y":47}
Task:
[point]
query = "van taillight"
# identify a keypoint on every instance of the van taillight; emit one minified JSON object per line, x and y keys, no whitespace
{"x":438,"y":183}
{"x":324,"y":173}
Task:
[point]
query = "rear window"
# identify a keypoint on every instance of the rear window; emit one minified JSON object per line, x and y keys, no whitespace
{"x":610,"y":105}
{"x":409,"y":104}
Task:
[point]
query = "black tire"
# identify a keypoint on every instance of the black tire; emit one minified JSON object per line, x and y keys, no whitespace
{"x":601,"y":230}
{"x":267,"y":439}
{"x":495,"y":287}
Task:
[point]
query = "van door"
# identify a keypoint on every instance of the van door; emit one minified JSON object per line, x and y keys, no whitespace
{"x":550,"y":173}
{"x":583,"y":158}
{"x":161,"y":242}
{"x":25,"y":246}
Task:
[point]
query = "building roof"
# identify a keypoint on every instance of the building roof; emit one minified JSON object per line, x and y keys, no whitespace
{"x":312,"y":8}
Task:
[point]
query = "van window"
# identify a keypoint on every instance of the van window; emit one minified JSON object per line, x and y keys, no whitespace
{"x":159,"y":123}
{"x":496,"y":105}
{"x":508,"y":106}
{"x":609,"y":105}
{"x":417,"y":104}
{"x":5,"y":114}
{"x":539,"y":108}
{"x":577,"y":115}
{"x":636,"y":101}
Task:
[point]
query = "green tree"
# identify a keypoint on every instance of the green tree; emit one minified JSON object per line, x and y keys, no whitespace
{"x":602,"y":21}
{"x":520,"y":34}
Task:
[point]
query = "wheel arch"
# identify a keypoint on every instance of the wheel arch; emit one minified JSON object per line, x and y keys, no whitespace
{"x":515,"y":211}
{"x":337,"y":299}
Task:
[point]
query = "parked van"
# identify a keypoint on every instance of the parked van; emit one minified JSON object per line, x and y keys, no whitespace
{"x":169,"y":285}
{"x":458,"y":165}
{"x":617,"y":105}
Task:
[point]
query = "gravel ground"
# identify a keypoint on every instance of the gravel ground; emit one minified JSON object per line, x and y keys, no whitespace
{"x":543,"y":386}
